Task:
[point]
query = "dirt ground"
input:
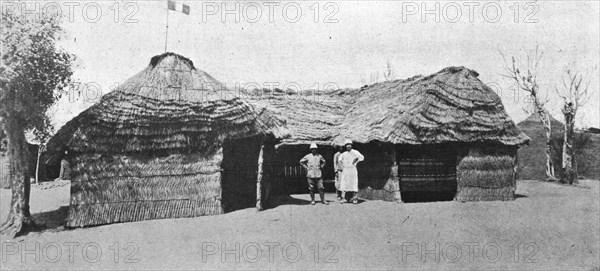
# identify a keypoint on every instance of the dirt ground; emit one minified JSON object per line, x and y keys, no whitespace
{"x":548,"y":227}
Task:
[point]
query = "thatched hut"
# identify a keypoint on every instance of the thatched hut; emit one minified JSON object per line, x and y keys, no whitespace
{"x":174,"y":142}
{"x":532,"y":165}
{"x":586,"y":145}
{"x":445,"y":134}
{"x":167,"y":143}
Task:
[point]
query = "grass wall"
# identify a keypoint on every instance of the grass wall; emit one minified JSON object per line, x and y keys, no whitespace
{"x":486,"y":172}
{"x":110,"y":189}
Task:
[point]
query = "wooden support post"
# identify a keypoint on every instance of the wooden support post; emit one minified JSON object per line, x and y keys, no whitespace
{"x":259,"y":176}
{"x":515,"y":168}
{"x":395,"y":174}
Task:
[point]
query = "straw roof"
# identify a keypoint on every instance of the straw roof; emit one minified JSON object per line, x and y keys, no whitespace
{"x":308,"y":121}
{"x":169,"y":107}
{"x":534,"y":123}
{"x":452,"y":105}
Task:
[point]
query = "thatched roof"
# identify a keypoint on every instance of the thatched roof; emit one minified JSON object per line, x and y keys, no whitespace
{"x":533,"y":123}
{"x":169,"y":107}
{"x":452,"y":105}
{"x":307,"y":121}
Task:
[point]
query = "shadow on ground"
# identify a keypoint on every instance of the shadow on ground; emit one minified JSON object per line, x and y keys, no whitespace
{"x":518,"y":196}
{"x":298,"y":199}
{"x":286,"y":200}
{"x":414,"y":197}
{"x":52,"y":221}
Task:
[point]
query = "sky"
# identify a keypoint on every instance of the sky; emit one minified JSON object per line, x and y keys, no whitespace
{"x":345,"y":43}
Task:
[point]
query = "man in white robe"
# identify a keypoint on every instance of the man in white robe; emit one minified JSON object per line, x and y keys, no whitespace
{"x":338,"y":171}
{"x":348,"y":161}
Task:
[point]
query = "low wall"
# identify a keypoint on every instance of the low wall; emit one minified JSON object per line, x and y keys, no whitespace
{"x":487,"y":172}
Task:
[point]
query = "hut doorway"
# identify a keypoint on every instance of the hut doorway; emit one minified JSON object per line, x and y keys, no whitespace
{"x":427,"y":173}
{"x":238,"y":179}
{"x":293,"y":176}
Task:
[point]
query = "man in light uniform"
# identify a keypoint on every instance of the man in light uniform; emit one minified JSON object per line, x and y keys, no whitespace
{"x":313,"y":163}
{"x":348,"y":161}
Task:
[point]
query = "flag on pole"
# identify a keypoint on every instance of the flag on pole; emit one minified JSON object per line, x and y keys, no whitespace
{"x":183,"y":8}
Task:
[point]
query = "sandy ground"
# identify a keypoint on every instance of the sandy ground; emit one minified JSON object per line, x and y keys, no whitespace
{"x":548,"y":227}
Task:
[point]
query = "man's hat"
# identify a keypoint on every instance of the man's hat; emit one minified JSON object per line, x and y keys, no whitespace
{"x":313,"y":146}
{"x":348,"y":141}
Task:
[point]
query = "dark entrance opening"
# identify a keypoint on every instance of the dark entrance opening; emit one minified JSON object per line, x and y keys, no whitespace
{"x":238,"y":178}
{"x":427,"y":173}
{"x":293,"y":175}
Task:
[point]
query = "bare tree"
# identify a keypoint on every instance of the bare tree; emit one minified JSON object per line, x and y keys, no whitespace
{"x":389,"y":73}
{"x":374,"y":78}
{"x":363,"y":81}
{"x":526,"y":78}
{"x":575,"y":93}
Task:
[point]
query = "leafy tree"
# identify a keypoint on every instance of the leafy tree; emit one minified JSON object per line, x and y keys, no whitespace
{"x":34,"y":73}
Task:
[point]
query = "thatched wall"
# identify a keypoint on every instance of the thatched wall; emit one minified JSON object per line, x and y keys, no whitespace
{"x":132,"y":188}
{"x":487,"y":172}
{"x":109,"y":189}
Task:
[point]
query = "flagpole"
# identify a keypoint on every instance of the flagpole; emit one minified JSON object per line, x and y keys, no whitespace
{"x":167,"y":30}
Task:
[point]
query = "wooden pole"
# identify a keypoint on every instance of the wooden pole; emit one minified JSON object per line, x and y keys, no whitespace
{"x":37,"y":164}
{"x":395,"y":174}
{"x":167,"y":30}
{"x":515,"y":168}
{"x":259,"y":176}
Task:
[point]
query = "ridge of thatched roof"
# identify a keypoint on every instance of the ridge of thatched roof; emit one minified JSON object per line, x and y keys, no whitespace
{"x":155,"y":60}
{"x":169,"y":107}
{"x":533,"y":122}
{"x":452,"y":105}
